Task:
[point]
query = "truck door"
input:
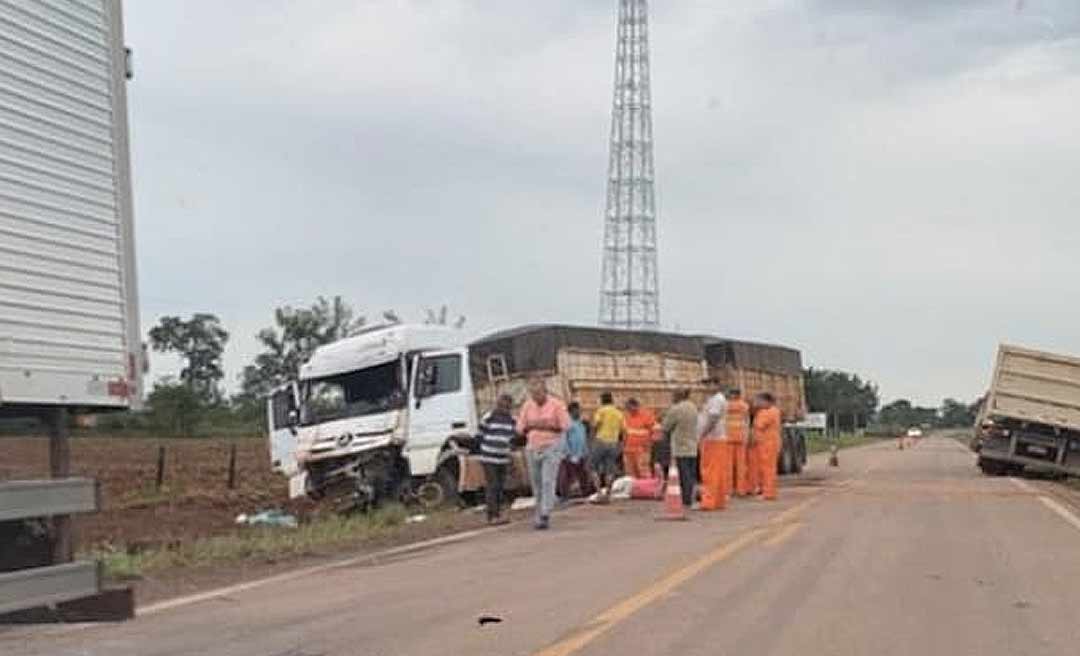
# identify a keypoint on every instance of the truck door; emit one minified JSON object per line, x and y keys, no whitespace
{"x":442,"y":405}
{"x":282,"y":414}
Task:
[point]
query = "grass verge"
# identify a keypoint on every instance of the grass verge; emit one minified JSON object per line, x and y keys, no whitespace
{"x":269,"y":544}
{"x":817,"y":444}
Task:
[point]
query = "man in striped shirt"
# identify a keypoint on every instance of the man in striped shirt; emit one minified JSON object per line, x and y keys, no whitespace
{"x":496,"y":434}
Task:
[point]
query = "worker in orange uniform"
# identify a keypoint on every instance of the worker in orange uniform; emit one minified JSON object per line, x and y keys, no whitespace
{"x":765,"y":439}
{"x":640,"y":426}
{"x":715,"y":467}
{"x":737,"y":425}
{"x":753,"y":469}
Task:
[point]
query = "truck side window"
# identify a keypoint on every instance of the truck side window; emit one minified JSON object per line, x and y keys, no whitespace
{"x":443,"y":374}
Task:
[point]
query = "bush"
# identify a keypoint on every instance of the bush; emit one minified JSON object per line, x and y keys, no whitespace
{"x":175,"y":409}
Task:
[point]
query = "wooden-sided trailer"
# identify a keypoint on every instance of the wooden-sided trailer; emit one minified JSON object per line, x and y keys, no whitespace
{"x":581,"y":363}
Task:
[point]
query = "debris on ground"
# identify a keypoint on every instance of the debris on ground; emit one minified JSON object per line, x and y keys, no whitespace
{"x":268,"y":518}
{"x":523,"y":503}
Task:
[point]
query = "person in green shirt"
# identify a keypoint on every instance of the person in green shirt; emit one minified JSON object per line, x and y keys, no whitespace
{"x":680,"y":425}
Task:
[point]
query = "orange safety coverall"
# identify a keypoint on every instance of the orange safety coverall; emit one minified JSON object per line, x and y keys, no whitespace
{"x":713,"y":461}
{"x":737,"y":422}
{"x":767,"y":444}
{"x":753,"y":470}
{"x":637,"y":448}
{"x":715,"y":473}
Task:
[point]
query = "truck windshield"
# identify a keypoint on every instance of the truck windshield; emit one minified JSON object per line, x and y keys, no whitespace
{"x":364,"y":392}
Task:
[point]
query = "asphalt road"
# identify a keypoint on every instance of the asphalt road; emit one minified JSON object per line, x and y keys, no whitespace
{"x":892,"y":553}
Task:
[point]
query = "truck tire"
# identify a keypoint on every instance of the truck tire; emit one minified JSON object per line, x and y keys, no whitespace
{"x":798,"y":443}
{"x":993,"y":467}
{"x":441,"y":489}
{"x":786,"y":459}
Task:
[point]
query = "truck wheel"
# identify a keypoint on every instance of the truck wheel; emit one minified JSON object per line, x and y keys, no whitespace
{"x":441,"y":489}
{"x":796,"y":464}
{"x":786,"y":459}
{"x":798,"y":455}
{"x":992,"y":467}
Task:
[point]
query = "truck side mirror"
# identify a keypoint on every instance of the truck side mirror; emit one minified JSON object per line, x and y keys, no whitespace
{"x":425,"y":383}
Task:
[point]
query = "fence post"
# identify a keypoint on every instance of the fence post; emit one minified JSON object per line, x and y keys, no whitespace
{"x":232,"y":466}
{"x":160,"y":467}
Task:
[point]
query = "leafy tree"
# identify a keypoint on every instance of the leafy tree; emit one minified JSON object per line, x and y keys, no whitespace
{"x":955,"y":414}
{"x":846,"y":398}
{"x":295,"y":336}
{"x":901,"y":413}
{"x":442,"y":318}
{"x":200,"y":342}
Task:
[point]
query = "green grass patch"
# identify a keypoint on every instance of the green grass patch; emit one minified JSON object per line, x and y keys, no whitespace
{"x":266,"y":543}
{"x":818,"y":444}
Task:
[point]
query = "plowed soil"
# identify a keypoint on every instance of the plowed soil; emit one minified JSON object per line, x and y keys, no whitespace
{"x":193,"y":502}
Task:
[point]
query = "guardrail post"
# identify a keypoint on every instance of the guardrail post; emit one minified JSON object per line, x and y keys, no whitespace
{"x":63,"y":550}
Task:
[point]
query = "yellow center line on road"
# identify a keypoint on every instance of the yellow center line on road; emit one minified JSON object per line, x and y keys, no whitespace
{"x":621,"y":611}
{"x":783,"y":535}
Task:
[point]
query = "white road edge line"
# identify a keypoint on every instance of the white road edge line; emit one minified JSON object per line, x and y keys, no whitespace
{"x":1023,"y":485}
{"x":1061,"y":511}
{"x":170,"y":604}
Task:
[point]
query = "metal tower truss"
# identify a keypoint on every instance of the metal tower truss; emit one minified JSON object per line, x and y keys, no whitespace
{"x":629,"y":293}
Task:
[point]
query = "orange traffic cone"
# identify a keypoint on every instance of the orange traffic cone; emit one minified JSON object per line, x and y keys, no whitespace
{"x":673,"y":507}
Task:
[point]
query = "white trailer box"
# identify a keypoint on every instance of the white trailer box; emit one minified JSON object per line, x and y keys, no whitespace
{"x":69,"y":330}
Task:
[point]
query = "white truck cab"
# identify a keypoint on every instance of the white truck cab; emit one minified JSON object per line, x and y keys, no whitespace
{"x":375,"y":415}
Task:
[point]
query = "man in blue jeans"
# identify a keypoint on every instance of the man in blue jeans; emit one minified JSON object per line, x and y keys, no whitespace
{"x":543,"y":420}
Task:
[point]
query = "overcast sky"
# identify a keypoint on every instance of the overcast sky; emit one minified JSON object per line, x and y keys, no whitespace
{"x":889,"y":185}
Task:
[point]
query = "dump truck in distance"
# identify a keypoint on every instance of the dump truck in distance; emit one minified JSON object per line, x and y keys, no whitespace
{"x":393,"y":411}
{"x":1031,"y":416}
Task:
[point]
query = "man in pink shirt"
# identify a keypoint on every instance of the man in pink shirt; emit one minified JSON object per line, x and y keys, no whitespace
{"x":543,"y":420}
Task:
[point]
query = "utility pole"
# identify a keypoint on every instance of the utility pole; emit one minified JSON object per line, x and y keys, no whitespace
{"x":629,"y":288}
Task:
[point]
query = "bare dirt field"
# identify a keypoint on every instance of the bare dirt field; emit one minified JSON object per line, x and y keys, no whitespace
{"x":194,"y":501}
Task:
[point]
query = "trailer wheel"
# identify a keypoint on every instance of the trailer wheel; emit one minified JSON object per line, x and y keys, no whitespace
{"x":786,"y":459}
{"x":798,"y":459}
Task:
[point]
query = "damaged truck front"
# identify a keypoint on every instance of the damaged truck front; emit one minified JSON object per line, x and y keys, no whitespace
{"x":375,"y":416}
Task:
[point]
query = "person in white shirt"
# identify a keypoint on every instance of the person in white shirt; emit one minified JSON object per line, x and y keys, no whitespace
{"x":714,"y":462}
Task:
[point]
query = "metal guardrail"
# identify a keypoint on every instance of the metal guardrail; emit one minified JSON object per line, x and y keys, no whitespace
{"x":43,"y":586}
{"x":48,"y":498}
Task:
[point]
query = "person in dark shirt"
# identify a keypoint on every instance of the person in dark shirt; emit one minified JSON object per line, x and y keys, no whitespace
{"x":496,"y":436}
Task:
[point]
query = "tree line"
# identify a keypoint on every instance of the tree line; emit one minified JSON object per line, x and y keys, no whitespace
{"x":194,"y":400}
{"x":853,"y":403}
